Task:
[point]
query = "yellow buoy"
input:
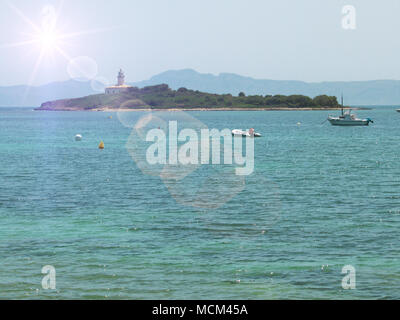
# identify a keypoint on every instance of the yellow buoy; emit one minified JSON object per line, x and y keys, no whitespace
{"x":101,"y":145}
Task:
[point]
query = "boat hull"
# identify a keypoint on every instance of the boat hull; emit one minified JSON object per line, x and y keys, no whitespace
{"x":241,"y":133}
{"x":256,"y":135}
{"x":345,"y":123}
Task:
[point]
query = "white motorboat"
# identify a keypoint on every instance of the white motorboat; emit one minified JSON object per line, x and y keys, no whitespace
{"x":348,"y":119}
{"x":249,"y":133}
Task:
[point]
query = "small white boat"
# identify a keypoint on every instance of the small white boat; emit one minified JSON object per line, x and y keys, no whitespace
{"x":348,"y":119}
{"x":398,"y":110}
{"x":248,"y":133}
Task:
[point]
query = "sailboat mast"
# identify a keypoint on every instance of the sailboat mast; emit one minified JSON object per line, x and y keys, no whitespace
{"x":342,"y":103}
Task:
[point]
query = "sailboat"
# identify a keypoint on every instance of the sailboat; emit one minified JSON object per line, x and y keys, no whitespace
{"x":348,"y":119}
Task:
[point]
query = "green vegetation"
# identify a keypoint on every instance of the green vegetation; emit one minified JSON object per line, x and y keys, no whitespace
{"x":162,"y":97}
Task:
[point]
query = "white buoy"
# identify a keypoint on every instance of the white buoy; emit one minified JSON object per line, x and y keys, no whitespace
{"x":299,"y":123}
{"x":78,"y":137}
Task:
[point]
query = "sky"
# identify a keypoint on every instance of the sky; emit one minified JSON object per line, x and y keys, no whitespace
{"x":265,"y":39}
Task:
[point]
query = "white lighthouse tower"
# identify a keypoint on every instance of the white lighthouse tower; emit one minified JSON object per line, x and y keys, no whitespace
{"x":121,"y":78}
{"x":120,"y":86}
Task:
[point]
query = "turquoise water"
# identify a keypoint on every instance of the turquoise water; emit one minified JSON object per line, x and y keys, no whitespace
{"x":320,"y":198}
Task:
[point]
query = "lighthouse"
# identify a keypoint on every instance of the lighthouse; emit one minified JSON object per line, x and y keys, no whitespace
{"x":121,"y":78}
{"x":120,"y":86}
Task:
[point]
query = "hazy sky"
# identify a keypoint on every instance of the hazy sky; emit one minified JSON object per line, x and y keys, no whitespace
{"x":268,"y":39}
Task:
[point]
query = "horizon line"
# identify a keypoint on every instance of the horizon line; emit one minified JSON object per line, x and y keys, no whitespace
{"x":206,"y":74}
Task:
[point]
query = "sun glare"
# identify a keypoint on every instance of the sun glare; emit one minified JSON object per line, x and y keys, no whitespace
{"x":48,"y":40}
{"x":45,"y":36}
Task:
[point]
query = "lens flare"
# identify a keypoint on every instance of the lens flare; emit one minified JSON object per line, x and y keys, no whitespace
{"x":47,"y":38}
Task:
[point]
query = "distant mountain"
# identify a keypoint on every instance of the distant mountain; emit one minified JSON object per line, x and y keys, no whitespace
{"x":376,"y":92}
{"x":35,"y":96}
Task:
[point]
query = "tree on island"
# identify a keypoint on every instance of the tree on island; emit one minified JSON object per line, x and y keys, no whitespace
{"x":163,"y":97}
{"x":326,"y":101}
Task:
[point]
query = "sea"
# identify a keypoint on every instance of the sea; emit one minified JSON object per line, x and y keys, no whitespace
{"x":317,"y":218}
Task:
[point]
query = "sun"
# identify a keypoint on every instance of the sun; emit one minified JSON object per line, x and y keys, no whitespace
{"x":48,"y":41}
{"x":46,"y":37}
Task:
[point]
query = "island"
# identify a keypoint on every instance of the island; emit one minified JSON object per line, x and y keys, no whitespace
{"x":162,"y":97}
